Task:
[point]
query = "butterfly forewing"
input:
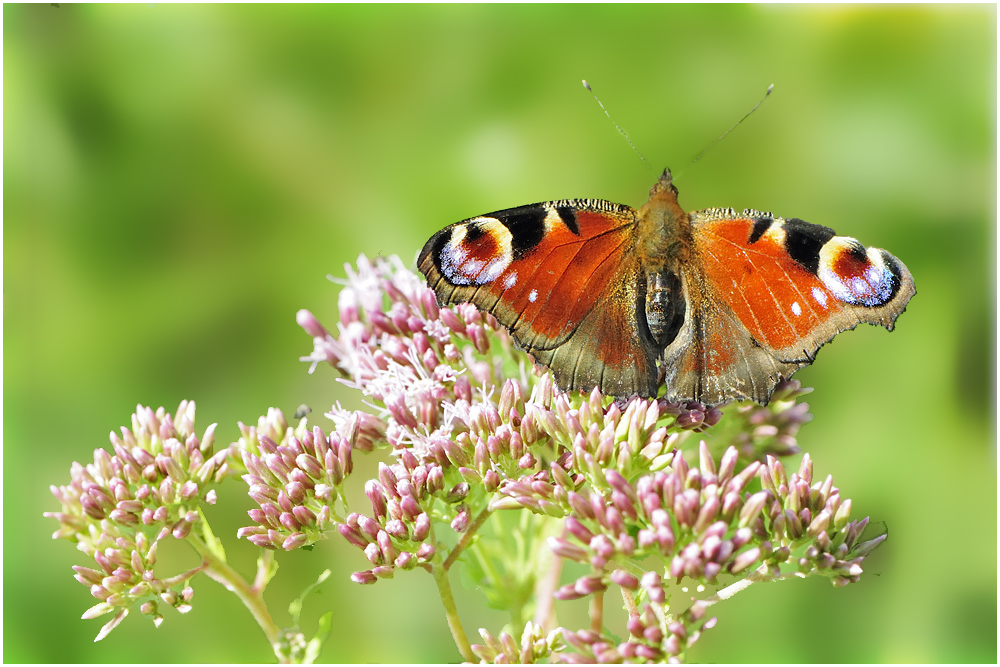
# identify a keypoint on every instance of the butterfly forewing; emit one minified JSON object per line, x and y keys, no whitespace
{"x":561,"y":276}
{"x":773,"y":291}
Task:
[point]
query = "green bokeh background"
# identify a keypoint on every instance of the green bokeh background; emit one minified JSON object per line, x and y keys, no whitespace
{"x":179,"y":180}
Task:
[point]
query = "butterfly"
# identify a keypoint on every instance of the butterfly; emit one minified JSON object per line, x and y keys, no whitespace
{"x":714,"y":305}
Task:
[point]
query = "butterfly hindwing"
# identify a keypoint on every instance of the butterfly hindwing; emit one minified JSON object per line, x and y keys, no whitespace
{"x":562,"y":278}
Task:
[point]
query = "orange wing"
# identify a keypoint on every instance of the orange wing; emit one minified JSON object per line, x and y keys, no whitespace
{"x":562,"y":278}
{"x":768,"y":293}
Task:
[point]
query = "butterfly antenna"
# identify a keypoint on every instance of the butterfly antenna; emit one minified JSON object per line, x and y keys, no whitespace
{"x":721,"y":136}
{"x":587,"y":86}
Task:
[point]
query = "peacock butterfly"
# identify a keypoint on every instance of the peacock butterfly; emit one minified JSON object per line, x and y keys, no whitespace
{"x":715,"y":305}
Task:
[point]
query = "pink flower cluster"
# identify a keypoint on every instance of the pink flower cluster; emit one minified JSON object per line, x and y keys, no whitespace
{"x":120,"y":507}
{"x":472,"y":432}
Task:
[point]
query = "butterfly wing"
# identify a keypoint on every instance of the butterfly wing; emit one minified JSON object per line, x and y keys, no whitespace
{"x":562,"y":277}
{"x":765,"y":294}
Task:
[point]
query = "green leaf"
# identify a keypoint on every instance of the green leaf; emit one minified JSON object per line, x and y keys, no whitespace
{"x":507,"y":559}
{"x":211,"y":541}
{"x":316,"y":643}
{"x":295,"y":608}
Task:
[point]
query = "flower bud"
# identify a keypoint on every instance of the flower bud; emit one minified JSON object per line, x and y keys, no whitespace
{"x":365,"y":578}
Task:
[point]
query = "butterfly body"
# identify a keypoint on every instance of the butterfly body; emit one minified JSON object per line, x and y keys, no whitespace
{"x":712,"y":304}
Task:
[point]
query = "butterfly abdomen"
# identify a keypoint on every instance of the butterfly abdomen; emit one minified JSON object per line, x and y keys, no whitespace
{"x":664,"y":307}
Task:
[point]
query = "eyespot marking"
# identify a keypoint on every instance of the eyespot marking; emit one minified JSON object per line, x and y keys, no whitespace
{"x":866,"y":278}
{"x":476,"y":252}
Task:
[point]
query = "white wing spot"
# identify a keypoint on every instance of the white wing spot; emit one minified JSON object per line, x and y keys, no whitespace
{"x":820,"y":296}
{"x":796,"y":308}
{"x":510,"y":280}
{"x":533,"y":295}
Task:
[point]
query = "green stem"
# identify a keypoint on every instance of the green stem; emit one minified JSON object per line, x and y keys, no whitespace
{"x":629,"y":600}
{"x":440,"y":573}
{"x":470,"y":533}
{"x":233,"y":581}
{"x":597,"y":612}
{"x":263,"y":571}
{"x":765,"y":572}
{"x":451,"y":612}
{"x":544,"y":588}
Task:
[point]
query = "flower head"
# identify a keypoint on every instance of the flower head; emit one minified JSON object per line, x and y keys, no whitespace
{"x":471,"y":431}
{"x":437,"y":378}
{"x":535,"y":646}
{"x":120,"y":507}
{"x":296,"y":476}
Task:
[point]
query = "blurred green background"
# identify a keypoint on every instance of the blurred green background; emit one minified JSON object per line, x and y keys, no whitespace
{"x":179,"y":180}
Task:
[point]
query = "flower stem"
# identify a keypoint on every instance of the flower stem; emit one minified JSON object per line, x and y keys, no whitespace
{"x":264,"y":571}
{"x":451,"y":612}
{"x":224,"y":574}
{"x":629,"y":600}
{"x":597,"y":612}
{"x":470,"y":533}
{"x":765,"y":572}
{"x":545,"y":586}
{"x":440,"y":573}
